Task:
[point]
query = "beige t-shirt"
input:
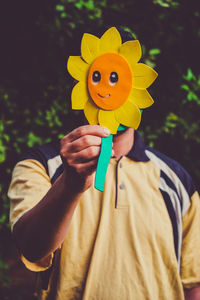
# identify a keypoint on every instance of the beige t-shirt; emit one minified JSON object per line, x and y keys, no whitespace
{"x":120,"y":242}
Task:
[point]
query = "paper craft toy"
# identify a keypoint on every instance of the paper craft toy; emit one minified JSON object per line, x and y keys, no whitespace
{"x":111,"y":87}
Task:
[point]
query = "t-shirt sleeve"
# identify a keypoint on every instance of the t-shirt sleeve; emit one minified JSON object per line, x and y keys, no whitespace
{"x":29,"y":185}
{"x":190,"y":253}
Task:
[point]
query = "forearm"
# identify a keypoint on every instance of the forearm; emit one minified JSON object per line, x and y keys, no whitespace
{"x":42,"y":229}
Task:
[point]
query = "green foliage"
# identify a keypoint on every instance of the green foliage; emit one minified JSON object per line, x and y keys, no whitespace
{"x":192,"y":87}
{"x":166,"y":3}
{"x":181,"y":129}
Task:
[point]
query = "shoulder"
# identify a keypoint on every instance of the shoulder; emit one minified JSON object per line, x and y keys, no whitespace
{"x":48,"y":156}
{"x":172,"y":169}
{"x":174,"y":179}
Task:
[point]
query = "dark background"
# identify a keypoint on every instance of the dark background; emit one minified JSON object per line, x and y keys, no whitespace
{"x":36,"y":37}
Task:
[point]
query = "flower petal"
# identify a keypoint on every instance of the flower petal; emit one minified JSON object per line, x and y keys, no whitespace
{"x":107,"y":118}
{"x":77,"y":68}
{"x":91,"y":112}
{"x":89,"y":47}
{"x":110,"y":41}
{"x":128,"y":115}
{"x":79,"y":95}
{"x":143,"y":76}
{"x":140,"y":97}
{"x":131,"y":50}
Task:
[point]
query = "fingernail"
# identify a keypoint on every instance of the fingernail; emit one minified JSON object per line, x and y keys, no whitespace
{"x":106,"y":131}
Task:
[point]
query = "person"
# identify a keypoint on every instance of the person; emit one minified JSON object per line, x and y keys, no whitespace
{"x":139,"y":239}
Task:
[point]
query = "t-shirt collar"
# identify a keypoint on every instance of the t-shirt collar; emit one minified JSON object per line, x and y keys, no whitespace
{"x":137,"y":152}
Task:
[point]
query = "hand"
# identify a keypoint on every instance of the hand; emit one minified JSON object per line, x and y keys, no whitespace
{"x":79,"y":151}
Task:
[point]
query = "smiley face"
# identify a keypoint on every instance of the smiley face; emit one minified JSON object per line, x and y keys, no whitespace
{"x":109,"y":81}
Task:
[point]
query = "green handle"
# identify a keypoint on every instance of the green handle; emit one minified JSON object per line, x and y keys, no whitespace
{"x":103,"y":162}
{"x":104,"y":159}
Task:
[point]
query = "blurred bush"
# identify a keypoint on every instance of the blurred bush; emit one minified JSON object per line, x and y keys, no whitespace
{"x":37,"y":38}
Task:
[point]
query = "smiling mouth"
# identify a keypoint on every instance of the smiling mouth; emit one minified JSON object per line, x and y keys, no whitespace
{"x":104,"y":97}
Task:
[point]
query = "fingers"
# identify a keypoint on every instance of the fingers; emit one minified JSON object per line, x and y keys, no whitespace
{"x":80,"y":150}
{"x":84,"y":155}
{"x":81,"y":169}
{"x":94,"y":130}
{"x":83,"y":142}
{"x":82,"y":138}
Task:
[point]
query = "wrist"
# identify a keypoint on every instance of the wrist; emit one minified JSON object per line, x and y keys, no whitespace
{"x":71,"y":185}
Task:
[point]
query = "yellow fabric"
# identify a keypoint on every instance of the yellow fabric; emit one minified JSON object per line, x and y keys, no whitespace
{"x":110,"y":41}
{"x":143,"y":76}
{"x":132,"y":119}
{"x":91,"y":112}
{"x":79,"y":95}
{"x":28,"y":186}
{"x":77,"y":67}
{"x":131,"y":50}
{"x":108,"y":119}
{"x":89,"y":47}
{"x":190,"y":266}
{"x":120,"y":242}
{"x":141,"y":97}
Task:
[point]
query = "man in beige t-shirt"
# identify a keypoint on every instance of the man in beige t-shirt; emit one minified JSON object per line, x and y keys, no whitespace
{"x":139,"y":239}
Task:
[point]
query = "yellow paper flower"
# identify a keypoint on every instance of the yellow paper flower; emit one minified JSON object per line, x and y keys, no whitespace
{"x":112,"y":84}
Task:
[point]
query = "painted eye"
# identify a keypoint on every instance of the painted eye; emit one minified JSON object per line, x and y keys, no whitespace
{"x":96,"y":77}
{"x":113,"y":78}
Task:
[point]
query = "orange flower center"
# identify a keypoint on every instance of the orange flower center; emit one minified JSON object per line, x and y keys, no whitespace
{"x":109,"y":81}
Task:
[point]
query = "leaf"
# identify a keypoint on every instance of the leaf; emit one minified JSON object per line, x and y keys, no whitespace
{"x":89,"y":4}
{"x":2,"y":219}
{"x":60,"y":7}
{"x":79,"y":4}
{"x":154,"y":51}
{"x":5,"y":96}
{"x":1,"y":126}
{"x":2,"y":157}
{"x":172,"y":116}
{"x":185,"y":87}
{"x":161,"y":3}
{"x":192,"y":96}
{"x":63,"y":15}
{"x":60,"y":136}
{"x":189,"y":76}
{"x":33,"y":139}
